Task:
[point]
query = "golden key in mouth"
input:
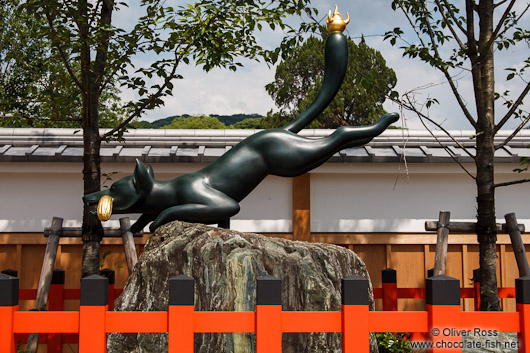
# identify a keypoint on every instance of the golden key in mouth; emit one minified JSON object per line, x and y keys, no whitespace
{"x":104,"y":208}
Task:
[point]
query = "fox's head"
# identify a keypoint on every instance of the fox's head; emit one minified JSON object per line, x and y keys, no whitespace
{"x":127,"y":193}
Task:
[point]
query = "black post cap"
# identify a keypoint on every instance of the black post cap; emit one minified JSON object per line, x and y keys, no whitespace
{"x":389,"y":275}
{"x":181,"y":290}
{"x":354,"y":290}
{"x":476,"y":275}
{"x":110,"y":274}
{"x":58,"y":276}
{"x":430,"y":272}
{"x":269,"y":291}
{"x":10,"y":272}
{"x":94,"y":291}
{"x":442,"y":290}
{"x":8,"y":290}
{"x":522,"y":290}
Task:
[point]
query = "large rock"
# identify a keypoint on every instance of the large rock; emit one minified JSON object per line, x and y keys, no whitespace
{"x":225,"y":265}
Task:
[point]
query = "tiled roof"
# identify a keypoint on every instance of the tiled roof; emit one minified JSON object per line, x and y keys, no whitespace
{"x":195,"y":146}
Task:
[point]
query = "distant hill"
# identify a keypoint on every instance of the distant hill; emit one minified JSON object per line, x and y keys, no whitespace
{"x":225,"y":119}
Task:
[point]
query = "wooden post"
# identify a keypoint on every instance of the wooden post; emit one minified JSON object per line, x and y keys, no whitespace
{"x":8,"y":307}
{"x":45,"y":278}
{"x":441,"y":243}
{"x":180,"y":314}
{"x":442,"y":301}
{"x":268,"y":315}
{"x":302,"y":207}
{"x":517,"y":244}
{"x":111,"y":275}
{"x":522,"y":292}
{"x":92,"y":314}
{"x":128,"y":243}
{"x":355,"y":334}
{"x":56,"y":303}
{"x":390,"y":298}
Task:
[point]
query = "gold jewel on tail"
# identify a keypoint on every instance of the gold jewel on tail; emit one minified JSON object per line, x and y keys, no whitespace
{"x":337,"y":24}
{"x":105,"y":208}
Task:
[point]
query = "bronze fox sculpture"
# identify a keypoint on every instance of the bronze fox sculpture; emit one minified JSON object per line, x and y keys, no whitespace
{"x":212,"y":194}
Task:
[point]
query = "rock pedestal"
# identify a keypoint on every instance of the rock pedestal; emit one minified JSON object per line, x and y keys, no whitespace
{"x":225,"y":265}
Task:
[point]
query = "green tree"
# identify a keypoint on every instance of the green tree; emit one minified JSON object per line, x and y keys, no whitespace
{"x":463,"y":37}
{"x":195,"y":122}
{"x":96,"y":55}
{"x":35,"y":89}
{"x":249,"y":123}
{"x":299,"y":77}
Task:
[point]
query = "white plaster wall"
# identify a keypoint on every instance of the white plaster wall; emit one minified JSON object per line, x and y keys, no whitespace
{"x":32,"y":193}
{"x":372,"y":199}
{"x":344,"y":197}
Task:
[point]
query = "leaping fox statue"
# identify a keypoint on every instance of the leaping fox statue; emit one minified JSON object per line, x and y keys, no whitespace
{"x":212,"y":194}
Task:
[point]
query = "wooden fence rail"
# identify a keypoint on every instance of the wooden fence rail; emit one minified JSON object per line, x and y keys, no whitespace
{"x":93,"y":320}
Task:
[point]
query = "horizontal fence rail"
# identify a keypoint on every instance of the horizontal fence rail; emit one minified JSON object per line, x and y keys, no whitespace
{"x":93,"y":320}
{"x":389,"y":293}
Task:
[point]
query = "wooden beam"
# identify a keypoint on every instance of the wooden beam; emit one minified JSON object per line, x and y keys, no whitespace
{"x":467,"y":227}
{"x":302,"y":207}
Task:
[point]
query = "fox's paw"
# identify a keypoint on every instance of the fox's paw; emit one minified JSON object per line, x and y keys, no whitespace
{"x":389,"y":118}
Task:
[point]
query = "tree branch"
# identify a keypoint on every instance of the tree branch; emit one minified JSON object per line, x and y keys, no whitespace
{"x":445,"y":147}
{"x":62,"y":54}
{"x":448,"y":77}
{"x":514,"y":106}
{"x":410,"y":106}
{"x":511,"y":183}
{"x":497,"y":30}
{"x":446,"y":21}
{"x":515,"y":132}
{"x":460,"y":27}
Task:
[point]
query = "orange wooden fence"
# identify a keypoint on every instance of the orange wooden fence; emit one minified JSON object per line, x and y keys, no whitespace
{"x":389,"y":293}
{"x":93,"y":321}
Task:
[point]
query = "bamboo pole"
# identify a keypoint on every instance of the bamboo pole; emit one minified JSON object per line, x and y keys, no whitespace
{"x":45,"y":278}
{"x":517,"y":244}
{"x":441,"y":243}
{"x":128,"y":243}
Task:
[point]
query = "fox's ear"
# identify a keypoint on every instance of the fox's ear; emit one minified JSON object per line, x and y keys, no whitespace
{"x":150,"y":171}
{"x":143,"y":180}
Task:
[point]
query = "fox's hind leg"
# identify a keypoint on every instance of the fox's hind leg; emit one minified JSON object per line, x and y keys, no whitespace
{"x":207,"y":205}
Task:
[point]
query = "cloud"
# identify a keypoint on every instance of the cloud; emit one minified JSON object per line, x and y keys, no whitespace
{"x":226,"y":92}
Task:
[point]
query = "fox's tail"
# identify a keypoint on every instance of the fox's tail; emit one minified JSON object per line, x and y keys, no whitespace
{"x":336,"y":63}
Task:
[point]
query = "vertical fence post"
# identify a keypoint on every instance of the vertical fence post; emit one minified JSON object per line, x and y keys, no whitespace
{"x":180,"y":314}
{"x":269,"y":315}
{"x":56,"y":303}
{"x":46,"y":277}
{"x":128,"y":243}
{"x":522,"y":298}
{"x":442,"y":240}
{"x":476,"y":287}
{"x":443,"y":307}
{"x":8,"y":306}
{"x":390,"y":298}
{"x":111,"y":275}
{"x":92,"y":314}
{"x":517,"y":244}
{"x":10,"y":272}
{"x":355,"y":334}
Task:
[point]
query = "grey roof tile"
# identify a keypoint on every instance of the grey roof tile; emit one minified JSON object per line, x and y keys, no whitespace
{"x":206,"y":145}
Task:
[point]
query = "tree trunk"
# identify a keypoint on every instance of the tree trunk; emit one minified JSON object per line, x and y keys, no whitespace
{"x":91,"y":228}
{"x":484,"y":86}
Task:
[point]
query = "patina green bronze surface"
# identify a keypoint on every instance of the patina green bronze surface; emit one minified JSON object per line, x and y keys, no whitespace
{"x":212,"y":194}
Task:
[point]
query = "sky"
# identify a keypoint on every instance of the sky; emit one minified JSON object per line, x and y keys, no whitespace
{"x":224,"y":92}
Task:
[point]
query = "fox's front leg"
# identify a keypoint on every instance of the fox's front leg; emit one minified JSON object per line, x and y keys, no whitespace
{"x":197,"y":213}
{"x":142,"y":221}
